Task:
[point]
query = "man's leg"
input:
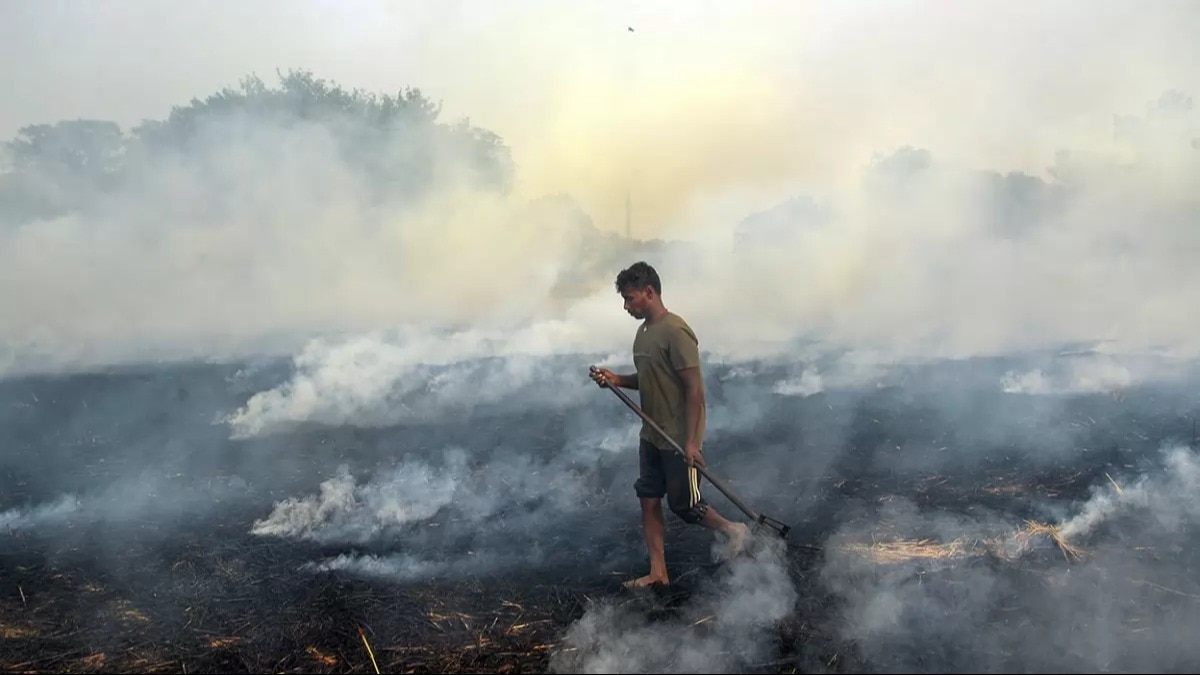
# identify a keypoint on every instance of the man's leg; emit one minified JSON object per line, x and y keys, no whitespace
{"x":735,"y":533}
{"x":650,"y":487}
{"x":683,"y":491}
{"x":715,"y":521}
{"x":654,"y":528}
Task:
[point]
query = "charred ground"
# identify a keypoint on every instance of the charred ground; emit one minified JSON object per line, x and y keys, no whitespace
{"x":155,"y":567}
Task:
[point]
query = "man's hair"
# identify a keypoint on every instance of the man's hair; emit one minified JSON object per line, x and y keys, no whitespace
{"x":638,"y":276}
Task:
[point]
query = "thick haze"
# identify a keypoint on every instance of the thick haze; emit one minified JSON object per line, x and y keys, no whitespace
{"x":930,"y":181}
{"x":919,"y":242}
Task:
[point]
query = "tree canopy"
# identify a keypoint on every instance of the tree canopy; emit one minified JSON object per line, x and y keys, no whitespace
{"x":393,"y":145}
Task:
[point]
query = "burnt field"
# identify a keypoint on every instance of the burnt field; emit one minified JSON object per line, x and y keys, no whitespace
{"x":946,"y":517}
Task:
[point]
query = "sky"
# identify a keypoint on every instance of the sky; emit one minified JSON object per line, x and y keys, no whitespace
{"x":701,"y":95}
{"x":704,"y":113}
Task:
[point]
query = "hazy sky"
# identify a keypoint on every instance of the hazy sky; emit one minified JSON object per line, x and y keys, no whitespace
{"x":702,"y":95}
{"x":705,"y":112}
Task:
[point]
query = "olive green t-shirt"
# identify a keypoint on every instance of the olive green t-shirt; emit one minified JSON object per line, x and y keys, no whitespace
{"x":659,"y":350}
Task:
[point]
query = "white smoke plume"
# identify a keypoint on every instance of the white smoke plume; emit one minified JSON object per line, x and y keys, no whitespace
{"x":807,"y":384}
{"x":375,"y":381}
{"x":1165,"y":500}
{"x":1048,"y":217}
{"x":474,"y":486}
{"x":911,"y":265}
{"x":55,"y":513}
{"x":345,"y":511}
{"x":128,"y":500}
{"x":404,"y":567}
{"x":1095,"y":372}
{"x":725,"y":626}
{"x":917,"y":585}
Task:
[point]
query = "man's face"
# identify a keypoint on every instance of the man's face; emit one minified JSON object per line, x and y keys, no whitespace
{"x":637,"y":302}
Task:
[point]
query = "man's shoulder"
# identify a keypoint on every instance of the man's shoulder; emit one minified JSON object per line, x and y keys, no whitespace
{"x":676,"y":322}
{"x":666,"y":331}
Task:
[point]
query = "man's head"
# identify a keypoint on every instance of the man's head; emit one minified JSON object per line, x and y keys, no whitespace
{"x":641,"y":288}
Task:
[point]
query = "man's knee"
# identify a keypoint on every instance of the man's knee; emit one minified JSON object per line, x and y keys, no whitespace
{"x":650,"y":503}
{"x":690,"y":514}
{"x":648,"y":488}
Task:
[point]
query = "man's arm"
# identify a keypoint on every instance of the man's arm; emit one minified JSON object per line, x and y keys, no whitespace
{"x":694,"y":403}
{"x":684,"y":354}
{"x":626,"y":381}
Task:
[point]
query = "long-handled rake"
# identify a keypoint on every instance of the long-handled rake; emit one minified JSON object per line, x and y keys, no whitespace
{"x":760,"y":519}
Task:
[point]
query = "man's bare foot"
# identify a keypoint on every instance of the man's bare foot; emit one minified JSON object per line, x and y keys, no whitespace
{"x":646,"y":581}
{"x":735,"y":542}
{"x":737,"y":539}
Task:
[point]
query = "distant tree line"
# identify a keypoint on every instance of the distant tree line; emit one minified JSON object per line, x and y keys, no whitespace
{"x":394,"y":144}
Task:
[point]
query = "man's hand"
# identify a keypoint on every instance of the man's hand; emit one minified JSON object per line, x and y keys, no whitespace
{"x":604,"y":377}
{"x":691,"y":452}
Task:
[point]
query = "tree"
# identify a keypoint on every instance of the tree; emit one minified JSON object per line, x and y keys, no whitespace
{"x":76,"y":148}
{"x":57,"y":168}
{"x":394,"y":145}
{"x":395,"y":142}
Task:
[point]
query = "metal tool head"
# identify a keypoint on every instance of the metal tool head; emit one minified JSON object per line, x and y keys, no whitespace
{"x":775,"y":526}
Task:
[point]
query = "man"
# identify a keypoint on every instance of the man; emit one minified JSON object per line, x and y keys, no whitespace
{"x":671,"y":386}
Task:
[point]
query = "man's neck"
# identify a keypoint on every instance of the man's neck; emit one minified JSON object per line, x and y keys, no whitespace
{"x":657,"y":314}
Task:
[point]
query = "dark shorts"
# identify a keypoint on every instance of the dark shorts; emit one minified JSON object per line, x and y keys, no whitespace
{"x":664,"y":472}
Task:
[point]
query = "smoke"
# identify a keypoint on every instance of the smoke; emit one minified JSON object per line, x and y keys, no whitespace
{"x":39,"y":516}
{"x":125,"y":503}
{"x":414,"y":491}
{"x":404,"y":567}
{"x":255,"y":281}
{"x":724,"y":626}
{"x":346,"y":512}
{"x":464,"y":511}
{"x":375,"y":381}
{"x":1094,"y":372}
{"x":891,"y":282}
{"x":1165,"y":502}
{"x":1047,"y":218}
{"x":539,"y":484}
{"x":807,"y":384}
{"x":927,"y":585}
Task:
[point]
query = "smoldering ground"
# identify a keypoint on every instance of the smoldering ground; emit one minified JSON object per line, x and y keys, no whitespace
{"x":903,"y":556}
{"x":923,"y":589}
